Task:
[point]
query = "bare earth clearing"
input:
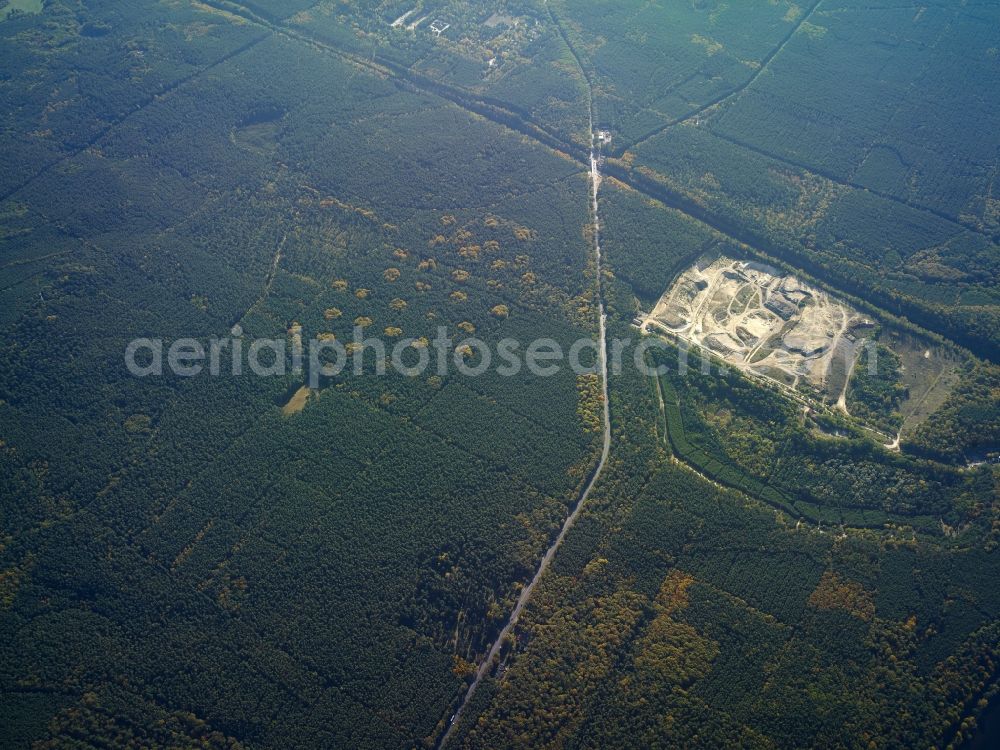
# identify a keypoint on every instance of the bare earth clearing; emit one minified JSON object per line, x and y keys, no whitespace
{"x":773,"y":326}
{"x":765,"y":322}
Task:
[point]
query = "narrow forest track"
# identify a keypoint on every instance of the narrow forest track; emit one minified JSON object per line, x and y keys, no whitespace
{"x":728,"y":96}
{"x":488,"y":663}
{"x":268,"y":281}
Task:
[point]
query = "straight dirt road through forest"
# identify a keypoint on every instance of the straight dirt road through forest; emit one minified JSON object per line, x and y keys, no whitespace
{"x":526,"y":592}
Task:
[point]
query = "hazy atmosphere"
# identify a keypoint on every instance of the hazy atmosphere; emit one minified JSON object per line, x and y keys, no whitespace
{"x":577,"y":374}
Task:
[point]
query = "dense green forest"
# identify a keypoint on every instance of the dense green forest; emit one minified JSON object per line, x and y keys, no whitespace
{"x":182,"y":547}
{"x":269,"y":562}
{"x":686,"y":612}
{"x":876,"y":390}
